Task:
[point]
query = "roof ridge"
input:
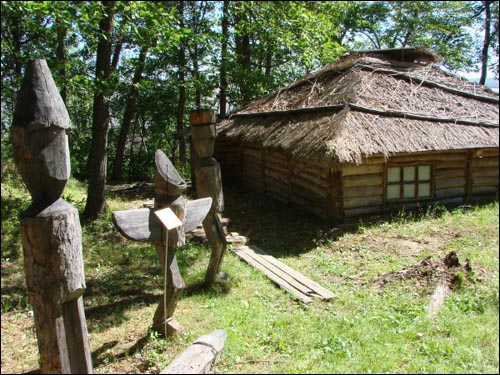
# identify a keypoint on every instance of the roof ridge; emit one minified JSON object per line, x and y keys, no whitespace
{"x":359,"y":108}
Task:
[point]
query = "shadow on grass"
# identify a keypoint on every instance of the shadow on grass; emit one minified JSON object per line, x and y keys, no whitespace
{"x":104,"y":356}
{"x":288,"y":230}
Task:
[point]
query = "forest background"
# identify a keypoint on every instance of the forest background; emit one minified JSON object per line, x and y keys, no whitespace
{"x":130,"y":71}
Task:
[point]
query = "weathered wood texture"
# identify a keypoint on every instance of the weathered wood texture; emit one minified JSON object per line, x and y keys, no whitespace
{"x":142,"y":224}
{"x":287,"y":278}
{"x":209,"y":184}
{"x":349,"y":191}
{"x":175,"y":282}
{"x":38,"y":135}
{"x":53,"y":263}
{"x":200,"y":357}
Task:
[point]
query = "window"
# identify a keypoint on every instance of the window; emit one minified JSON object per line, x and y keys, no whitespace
{"x":409,"y":182}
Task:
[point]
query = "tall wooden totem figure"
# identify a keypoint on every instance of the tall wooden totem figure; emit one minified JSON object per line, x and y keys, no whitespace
{"x":50,"y":227}
{"x":209,"y":184}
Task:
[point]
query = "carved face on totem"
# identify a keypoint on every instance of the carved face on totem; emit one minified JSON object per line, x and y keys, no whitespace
{"x":38,"y":135}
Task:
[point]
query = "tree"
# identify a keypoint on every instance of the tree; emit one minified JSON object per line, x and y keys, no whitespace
{"x":96,"y":201}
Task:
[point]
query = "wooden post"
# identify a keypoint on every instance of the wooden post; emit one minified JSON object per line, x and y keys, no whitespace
{"x":169,"y":186}
{"x":50,"y":227}
{"x":209,"y":184}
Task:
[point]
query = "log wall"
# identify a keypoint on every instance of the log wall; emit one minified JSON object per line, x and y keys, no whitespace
{"x":458,"y":177}
{"x":349,"y":191}
{"x":484,"y":176}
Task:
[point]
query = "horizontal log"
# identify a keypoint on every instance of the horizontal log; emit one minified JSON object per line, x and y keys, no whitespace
{"x":480,"y":190}
{"x":366,"y":180}
{"x":485,"y":172}
{"x":362,"y":170}
{"x":362,"y":202}
{"x":449,"y":173}
{"x":251,"y":152}
{"x":430,"y":157}
{"x":485,"y":181}
{"x":450,"y":165}
{"x":277,"y":169}
{"x":354,"y":212}
{"x":485,"y":162}
{"x":277,"y":196}
{"x":487,"y":152}
{"x":449,"y":192}
{"x":277,"y":183}
{"x":308,"y":163}
{"x":200,"y":357}
{"x":252,"y":184}
{"x":279,"y":160}
{"x":320,"y":180}
{"x":450,"y":183}
{"x":307,"y":188}
{"x":363,"y":191}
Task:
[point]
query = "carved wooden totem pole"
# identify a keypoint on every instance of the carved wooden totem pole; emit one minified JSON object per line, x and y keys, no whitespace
{"x":209,"y":184}
{"x":142,"y":225}
{"x":50,"y":227}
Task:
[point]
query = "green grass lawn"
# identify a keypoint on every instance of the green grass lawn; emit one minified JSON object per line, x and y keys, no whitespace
{"x":369,"y":327}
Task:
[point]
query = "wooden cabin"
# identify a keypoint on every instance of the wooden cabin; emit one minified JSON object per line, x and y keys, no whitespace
{"x":375,"y":132}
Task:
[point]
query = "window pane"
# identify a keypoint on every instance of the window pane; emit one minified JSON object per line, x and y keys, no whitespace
{"x":424,"y":190}
{"x":392,"y":191}
{"x":393,"y":174}
{"x":408,"y":191}
{"x":424,"y":172}
{"x":409,"y":174}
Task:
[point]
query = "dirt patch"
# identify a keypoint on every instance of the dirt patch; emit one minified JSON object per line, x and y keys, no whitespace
{"x":444,"y":273}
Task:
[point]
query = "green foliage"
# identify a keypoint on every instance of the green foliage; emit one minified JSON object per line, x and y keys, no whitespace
{"x":269,"y":44}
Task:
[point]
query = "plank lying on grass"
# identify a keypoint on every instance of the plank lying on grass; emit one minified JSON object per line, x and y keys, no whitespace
{"x":292,"y":281}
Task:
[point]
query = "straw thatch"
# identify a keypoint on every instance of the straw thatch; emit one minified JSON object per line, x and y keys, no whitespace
{"x":370,"y":103}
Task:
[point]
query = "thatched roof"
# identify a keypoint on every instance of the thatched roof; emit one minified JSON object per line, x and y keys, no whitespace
{"x":371,"y":102}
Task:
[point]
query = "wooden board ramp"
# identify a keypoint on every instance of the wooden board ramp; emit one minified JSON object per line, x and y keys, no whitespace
{"x":286,"y":277}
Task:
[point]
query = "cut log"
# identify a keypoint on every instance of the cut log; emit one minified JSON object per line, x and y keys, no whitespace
{"x":200,"y":357}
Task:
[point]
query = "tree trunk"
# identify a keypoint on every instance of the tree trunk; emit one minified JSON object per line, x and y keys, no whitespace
{"x":61,"y":57}
{"x":182,"y":89}
{"x":223,"y":64}
{"x":96,"y":201}
{"x":243,"y":58}
{"x":130,"y":110}
{"x":486,"y":43}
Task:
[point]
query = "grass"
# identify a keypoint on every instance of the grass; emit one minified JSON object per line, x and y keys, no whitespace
{"x":364,"y":329}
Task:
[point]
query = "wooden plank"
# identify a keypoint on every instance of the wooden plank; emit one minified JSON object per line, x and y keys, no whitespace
{"x":485,"y":172}
{"x":278,"y":280}
{"x":363,"y":202}
{"x":196,"y":211}
{"x":363,"y":191}
{"x":450,"y":183}
{"x":362,"y":169}
{"x":485,"y":162}
{"x":322,"y":292}
{"x":363,"y":180}
{"x":485,"y":181}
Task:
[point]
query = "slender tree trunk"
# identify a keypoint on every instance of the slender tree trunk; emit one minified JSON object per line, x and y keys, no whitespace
{"x":486,"y":43}
{"x":61,"y":56}
{"x":96,"y":201}
{"x":223,"y":64}
{"x":130,"y":110}
{"x":182,"y":89}
{"x":243,"y":58}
